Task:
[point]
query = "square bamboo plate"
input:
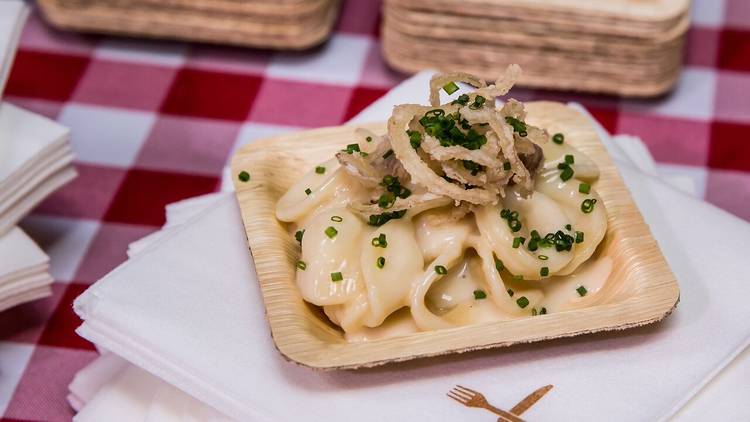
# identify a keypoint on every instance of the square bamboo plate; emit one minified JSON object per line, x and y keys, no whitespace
{"x":641,"y":289}
{"x":217,"y":25}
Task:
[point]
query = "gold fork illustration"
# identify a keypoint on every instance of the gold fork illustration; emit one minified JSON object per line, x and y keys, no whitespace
{"x":471,"y":398}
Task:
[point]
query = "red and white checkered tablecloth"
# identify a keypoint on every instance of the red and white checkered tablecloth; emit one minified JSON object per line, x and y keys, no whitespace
{"x":154,"y":122}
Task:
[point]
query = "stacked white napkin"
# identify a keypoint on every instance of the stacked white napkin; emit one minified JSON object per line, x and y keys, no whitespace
{"x":23,"y":270}
{"x":35,"y":160}
{"x":186,"y":309}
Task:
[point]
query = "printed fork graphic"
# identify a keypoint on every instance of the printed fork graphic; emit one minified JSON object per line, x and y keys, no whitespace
{"x":471,"y":398}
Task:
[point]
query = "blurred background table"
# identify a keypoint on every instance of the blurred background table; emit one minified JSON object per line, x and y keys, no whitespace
{"x":154,"y":122}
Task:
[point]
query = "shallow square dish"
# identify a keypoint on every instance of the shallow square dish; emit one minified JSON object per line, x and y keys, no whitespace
{"x":641,"y":288}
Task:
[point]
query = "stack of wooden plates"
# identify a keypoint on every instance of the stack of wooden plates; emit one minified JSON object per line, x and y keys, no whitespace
{"x":625,"y":47}
{"x":281,"y":24}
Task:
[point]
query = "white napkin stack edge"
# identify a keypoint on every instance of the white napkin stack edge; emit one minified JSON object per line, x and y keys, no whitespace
{"x":23,"y":270}
{"x":38,"y":160}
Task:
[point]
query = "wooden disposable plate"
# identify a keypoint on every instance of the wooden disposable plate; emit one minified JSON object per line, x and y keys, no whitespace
{"x":276,"y":9}
{"x":213,"y":26}
{"x":641,"y":288}
{"x":636,"y":14}
{"x":497,"y":32}
{"x":554,"y":75}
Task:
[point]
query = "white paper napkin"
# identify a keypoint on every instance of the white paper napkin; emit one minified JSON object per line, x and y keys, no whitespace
{"x":93,"y":377}
{"x":13,"y":14}
{"x":37,"y":160}
{"x":23,"y":270}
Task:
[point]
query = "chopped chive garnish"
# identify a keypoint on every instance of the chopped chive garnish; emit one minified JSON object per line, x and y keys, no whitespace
{"x":535,"y":235}
{"x":369,"y":139}
{"x":301,"y":265}
{"x":506,"y":165}
{"x":415,"y":138}
{"x":320,"y":169}
{"x":308,"y":191}
{"x":533,"y":244}
{"x":582,"y":291}
{"x":298,"y":235}
{"x":568,"y":227}
{"x":584,"y":188}
{"x":518,"y":277}
{"x":244,"y":176}
{"x":566,"y":174}
{"x":518,"y":241}
{"x":336,"y":276}
{"x":441,"y":270}
{"x":511,"y":292}
{"x":450,"y":87}
{"x":479,"y":294}
{"x":569,"y":159}
{"x":331,"y":232}
{"x":462,"y":99}
{"x":579,"y":237}
{"x":337,"y":218}
{"x":380,"y":262}
{"x":380,"y":219}
{"x":517,"y":125}
{"x":512,"y":216}
{"x":522,"y":302}
{"x":543,"y":257}
{"x":388,"y":153}
{"x":533,"y":312}
{"x":544,"y":272}
{"x":588,"y":205}
{"x":543,"y":311}
{"x":499,"y":264}
{"x":351,"y":148}
{"x":478,"y":102}
{"x":558,"y":138}
{"x":380,"y":241}
{"x":386,"y":200}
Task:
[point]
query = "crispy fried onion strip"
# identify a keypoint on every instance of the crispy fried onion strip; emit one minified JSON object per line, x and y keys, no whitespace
{"x":514,"y":108}
{"x":487,"y":155}
{"x":416,"y":202}
{"x":369,"y":169}
{"x":439,"y":80}
{"x":502,"y":85}
{"x":420,"y":172}
{"x":506,"y":139}
{"x":455,"y":170}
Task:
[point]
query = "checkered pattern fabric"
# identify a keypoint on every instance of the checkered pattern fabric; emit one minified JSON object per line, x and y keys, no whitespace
{"x":154,"y":122}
